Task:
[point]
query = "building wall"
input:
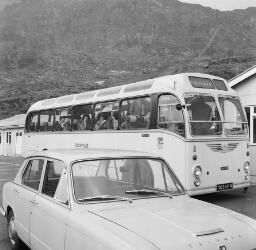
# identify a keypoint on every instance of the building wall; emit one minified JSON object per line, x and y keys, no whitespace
{"x":1,"y":142}
{"x":11,"y":141}
{"x":247,"y":91}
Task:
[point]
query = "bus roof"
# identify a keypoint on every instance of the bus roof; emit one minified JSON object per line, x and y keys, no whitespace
{"x":177,"y":84}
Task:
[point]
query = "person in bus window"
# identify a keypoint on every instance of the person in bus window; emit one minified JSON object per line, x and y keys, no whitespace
{"x":139,"y":114}
{"x":101,"y":123}
{"x":66,"y":124}
{"x":110,"y":121}
{"x":201,"y":111}
{"x":85,"y":123}
{"x":115,"y":119}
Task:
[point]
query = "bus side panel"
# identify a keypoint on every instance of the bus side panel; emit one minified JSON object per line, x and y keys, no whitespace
{"x":170,"y":147}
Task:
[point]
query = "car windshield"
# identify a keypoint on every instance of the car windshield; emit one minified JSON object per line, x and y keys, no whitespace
{"x":123,"y":179}
{"x":203,"y":115}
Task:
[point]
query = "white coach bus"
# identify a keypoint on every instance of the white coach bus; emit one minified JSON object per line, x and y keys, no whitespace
{"x":195,"y":121}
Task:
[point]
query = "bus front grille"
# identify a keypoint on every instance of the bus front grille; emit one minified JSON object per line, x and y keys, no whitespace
{"x":222,"y":148}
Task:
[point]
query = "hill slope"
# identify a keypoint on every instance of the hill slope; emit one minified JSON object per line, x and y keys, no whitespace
{"x":50,"y":48}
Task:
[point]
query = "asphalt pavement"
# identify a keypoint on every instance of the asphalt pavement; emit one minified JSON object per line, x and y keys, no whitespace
{"x":237,"y":200}
{"x":8,"y":169}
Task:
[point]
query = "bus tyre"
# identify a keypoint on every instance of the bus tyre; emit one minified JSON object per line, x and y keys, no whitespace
{"x":14,"y":239}
{"x":245,"y":190}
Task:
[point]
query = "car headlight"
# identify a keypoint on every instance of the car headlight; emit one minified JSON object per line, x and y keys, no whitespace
{"x":197,"y":172}
{"x":246,"y":167}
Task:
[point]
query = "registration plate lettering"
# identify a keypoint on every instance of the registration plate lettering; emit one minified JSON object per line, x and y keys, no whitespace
{"x":223,"y":187}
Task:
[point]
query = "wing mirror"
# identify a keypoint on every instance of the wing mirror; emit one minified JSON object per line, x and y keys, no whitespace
{"x":179,"y":106}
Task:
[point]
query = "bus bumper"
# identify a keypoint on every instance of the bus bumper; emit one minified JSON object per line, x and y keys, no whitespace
{"x":213,"y":189}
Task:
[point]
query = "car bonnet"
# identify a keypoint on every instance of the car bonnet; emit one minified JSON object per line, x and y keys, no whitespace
{"x":182,"y":223}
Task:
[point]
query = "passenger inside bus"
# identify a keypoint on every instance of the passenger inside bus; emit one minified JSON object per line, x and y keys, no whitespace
{"x":101,"y":122}
{"x":115,"y":119}
{"x":138,"y":114}
{"x":85,"y":122}
{"x":65,"y":123}
{"x":200,"y":111}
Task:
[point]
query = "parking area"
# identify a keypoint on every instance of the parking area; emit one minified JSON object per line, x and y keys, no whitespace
{"x":238,"y":201}
{"x":8,"y":169}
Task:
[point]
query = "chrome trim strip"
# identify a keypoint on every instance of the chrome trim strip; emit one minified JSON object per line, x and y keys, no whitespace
{"x":2,"y":211}
{"x":222,"y":148}
{"x":209,"y":232}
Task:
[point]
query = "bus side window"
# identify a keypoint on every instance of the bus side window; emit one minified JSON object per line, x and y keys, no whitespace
{"x":168,"y":116}
{"x":57,"y":126}
{"x":62,"y":120}
{"x":135,"y":113}
{"x":46,"y":118}
{"x":82,"y":117}
{"x":106,"y":115}
{"x":32,"y":123}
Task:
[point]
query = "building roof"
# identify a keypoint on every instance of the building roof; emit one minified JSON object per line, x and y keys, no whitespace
{"x":17,"y":121}
{"x":243,"y":76}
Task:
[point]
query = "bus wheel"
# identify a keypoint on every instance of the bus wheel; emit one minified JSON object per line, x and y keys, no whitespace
{"x":245,"y":190}
{"x":12,"y":234}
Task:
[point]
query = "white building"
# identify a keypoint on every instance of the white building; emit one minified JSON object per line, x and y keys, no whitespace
{"x":245,"y":85}
{"x":11,"y":132}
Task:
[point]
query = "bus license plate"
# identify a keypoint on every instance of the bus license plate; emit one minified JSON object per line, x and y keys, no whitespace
{"x":223,"y":187}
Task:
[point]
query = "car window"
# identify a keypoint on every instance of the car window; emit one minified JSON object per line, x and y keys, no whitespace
{"x":32,"y":173}
{"x":113,"y":170}
{"x":55,"y":179}
{"x":125,"y":177}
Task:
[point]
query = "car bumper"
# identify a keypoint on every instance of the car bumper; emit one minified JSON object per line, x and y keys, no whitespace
{"x":2,"y":211}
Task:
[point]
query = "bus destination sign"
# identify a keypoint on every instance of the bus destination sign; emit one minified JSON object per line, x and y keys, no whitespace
{"x":220,"y":85}
{"x":198,"y":82}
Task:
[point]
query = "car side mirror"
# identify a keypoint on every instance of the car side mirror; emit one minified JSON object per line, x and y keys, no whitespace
{"x":179,"y":106}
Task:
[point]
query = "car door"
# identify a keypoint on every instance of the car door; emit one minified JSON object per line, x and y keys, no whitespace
{"x":51,"y":209}
{"x":25,"y":194}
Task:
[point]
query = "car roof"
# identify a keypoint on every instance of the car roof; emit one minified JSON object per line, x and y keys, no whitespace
{"x":70,"y":155}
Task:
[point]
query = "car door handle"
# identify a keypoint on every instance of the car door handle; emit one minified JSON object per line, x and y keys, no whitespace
{"x":16,"y":191}
{"x":33,"y":202}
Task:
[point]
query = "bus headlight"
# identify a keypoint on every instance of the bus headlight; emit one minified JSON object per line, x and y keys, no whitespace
{"x":197,"y":171}
{"x":246,"y":167}
{"x":197,"y":182}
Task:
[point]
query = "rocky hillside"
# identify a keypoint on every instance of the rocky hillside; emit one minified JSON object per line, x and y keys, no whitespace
{"x":51,"y":48}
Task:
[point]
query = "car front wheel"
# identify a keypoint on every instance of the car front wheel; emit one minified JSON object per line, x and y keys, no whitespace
{"x":11,"y":230}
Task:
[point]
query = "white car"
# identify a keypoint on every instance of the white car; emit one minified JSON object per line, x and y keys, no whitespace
{"x":104,"y":199}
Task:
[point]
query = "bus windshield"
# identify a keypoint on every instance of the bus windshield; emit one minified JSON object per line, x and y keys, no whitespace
{"x":203,"y":114}
{"x":234,"y":118}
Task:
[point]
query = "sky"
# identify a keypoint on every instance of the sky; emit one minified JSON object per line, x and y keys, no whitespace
{"x":224,"y":4}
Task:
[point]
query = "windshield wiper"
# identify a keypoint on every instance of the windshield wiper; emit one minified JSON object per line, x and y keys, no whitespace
{"x":146,"y":192}
{"x":193,"y":99}
{"x":104,"y":198}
